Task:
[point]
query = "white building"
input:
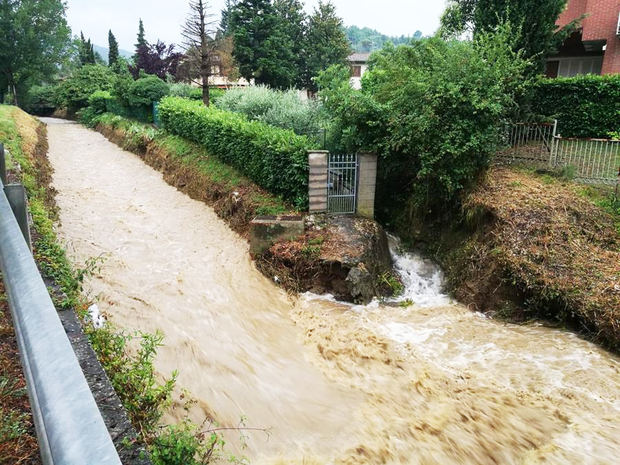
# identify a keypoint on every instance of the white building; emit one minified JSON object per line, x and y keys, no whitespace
{"x":359,"y":65}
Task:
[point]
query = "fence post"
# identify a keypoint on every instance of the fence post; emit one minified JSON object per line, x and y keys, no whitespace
{"x":16,"y":195}
{"x":317,"y":186}
{"x":2,"y":164}
{"x":367,"y":184}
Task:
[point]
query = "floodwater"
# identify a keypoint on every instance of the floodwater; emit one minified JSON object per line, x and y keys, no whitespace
{"x":430,"y":383}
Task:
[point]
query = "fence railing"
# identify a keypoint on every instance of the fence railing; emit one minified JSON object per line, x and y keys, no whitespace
{"x":538,"y":145}
{"x":70,"y":429}
{"x":593,"y":160}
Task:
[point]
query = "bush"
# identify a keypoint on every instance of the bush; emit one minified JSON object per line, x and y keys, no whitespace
{"x":41,"y":100}
{"x":99,"y":100}
{"x":276,"y":159}
{"x":585,"y":106}
{"x":180,"y":89}
{"x":74,"y":92}
{"x":434,"y":110}
{"x":147,"y":90}
{"x":283,"y":109}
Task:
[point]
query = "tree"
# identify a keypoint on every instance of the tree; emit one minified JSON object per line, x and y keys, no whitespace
{"x":113,"y":50}
{"x":326,"y":42}
{"x":534,"y":22}
{"x":142,"y":48}
{"x":159,"y":59}
{"x":292,"y":21}
{"x":34,"y":38}
{"x":86,"y":51}
{"x":262,"y":47}
{"x":225,"y":21}
{"x":200,"y":45}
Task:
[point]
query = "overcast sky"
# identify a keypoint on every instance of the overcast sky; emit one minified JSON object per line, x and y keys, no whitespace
{"x":163,"y":18}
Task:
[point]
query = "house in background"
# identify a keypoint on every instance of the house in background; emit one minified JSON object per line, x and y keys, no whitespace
{"x":595,"y":48}
{"x":359,"y":65}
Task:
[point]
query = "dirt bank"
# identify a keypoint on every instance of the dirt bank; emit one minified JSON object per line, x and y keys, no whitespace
{"x":529,"y":245}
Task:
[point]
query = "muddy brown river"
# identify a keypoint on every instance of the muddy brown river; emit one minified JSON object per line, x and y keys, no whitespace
{"x":432,"y":383}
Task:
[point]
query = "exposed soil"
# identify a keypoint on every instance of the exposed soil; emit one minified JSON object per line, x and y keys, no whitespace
{"x":343,"y":256}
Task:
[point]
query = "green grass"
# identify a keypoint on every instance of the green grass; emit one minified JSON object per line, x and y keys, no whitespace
{"x":196,"y":157}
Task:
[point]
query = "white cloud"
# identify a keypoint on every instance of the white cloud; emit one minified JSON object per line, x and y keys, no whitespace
{"x":163,"y":18}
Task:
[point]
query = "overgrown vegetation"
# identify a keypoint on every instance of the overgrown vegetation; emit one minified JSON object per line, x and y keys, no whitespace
{"x":585,"y":106}
{"x":274,"y":158}
{"x":435,"y":112}
{"x":18,"y":443}
{"x":533,"y":245}
{"x":282,"y":109}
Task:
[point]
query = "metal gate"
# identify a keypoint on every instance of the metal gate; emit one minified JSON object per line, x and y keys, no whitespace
{"x":342,"y":174}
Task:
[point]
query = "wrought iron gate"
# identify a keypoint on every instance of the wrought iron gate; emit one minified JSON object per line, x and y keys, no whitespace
{"x":342,"y":174}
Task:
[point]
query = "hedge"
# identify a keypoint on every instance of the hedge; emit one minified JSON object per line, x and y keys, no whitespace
{"x":585,"y":106}
{"x":276,"y":159}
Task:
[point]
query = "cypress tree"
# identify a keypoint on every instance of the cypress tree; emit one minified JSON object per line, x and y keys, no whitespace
{"x":113,"y":50}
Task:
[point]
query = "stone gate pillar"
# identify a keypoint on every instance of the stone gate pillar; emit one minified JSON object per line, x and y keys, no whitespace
{"x":317,"y":186}
{"x":367,"y":184}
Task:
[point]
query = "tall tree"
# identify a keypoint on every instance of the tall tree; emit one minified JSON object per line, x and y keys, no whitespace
{"x":34,"y":38}
{"x":225,"y":21}
{"x":292,"y":22}
{"x":113,"y":50}
{"x":142,"y":48}
{"x":198,"y":32}
{"x":86,"y":51}
{"x":533,"y":20}
{"x":326,"y":42}
{"x":262,"y":48}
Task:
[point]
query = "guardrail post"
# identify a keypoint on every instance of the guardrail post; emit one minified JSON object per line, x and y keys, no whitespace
{"x":2,"y":164}
{"x":16,"y":195}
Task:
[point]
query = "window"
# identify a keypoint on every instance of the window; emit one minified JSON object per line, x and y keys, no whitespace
{"x":356,"y":71}
{"x":570,"y":67}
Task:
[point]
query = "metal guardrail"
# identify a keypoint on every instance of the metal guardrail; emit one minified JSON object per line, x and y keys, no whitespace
{"x":69,"y":426}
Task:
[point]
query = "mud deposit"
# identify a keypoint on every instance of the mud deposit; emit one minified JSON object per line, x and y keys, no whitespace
{"x":430,"y":383}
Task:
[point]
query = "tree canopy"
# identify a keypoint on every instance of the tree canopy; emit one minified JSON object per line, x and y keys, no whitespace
{"x":34,"y":39}
{"x":534,"y":22}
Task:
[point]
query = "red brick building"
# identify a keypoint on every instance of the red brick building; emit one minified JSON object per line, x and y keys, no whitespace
{"x":596,"y":47}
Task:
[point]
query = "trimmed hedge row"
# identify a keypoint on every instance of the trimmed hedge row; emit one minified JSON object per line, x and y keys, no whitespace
{"x":585,"y":106}
{"x":274,"y":158}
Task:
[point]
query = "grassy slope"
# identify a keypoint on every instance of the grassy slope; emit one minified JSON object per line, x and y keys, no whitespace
{"x":536,"y":246}
{"x":18,"y":443}
{"x":191,"y":169}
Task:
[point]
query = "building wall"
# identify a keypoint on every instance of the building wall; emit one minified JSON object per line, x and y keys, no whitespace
{"x":601,"y":24}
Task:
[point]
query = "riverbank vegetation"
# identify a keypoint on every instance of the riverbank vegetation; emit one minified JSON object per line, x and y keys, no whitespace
{"x":127,"y":358}
{"x":193,"y":169}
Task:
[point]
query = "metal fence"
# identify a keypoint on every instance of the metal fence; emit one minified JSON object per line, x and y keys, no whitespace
{"x":70,"y":429}
{"x":593,"y":160}
{"x":536,"y":144}
{"x":529,"y":143}
{"x":342,"y":175}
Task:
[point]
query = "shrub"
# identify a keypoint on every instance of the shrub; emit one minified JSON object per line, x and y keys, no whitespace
{"x":99,"y":100}
{"x":276,"y":159}
{"x":585,"y":106}
{"x":283,"y":109}
{"x":180,"y":89}
{"x":147,"y":90}
{"x":74,"y":92}
{"x":434,"y":110}
{"x":41,"y":100}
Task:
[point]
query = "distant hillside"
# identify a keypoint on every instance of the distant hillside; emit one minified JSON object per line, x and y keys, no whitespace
{"x":103,"y":52}
{"x":368,"y":40}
